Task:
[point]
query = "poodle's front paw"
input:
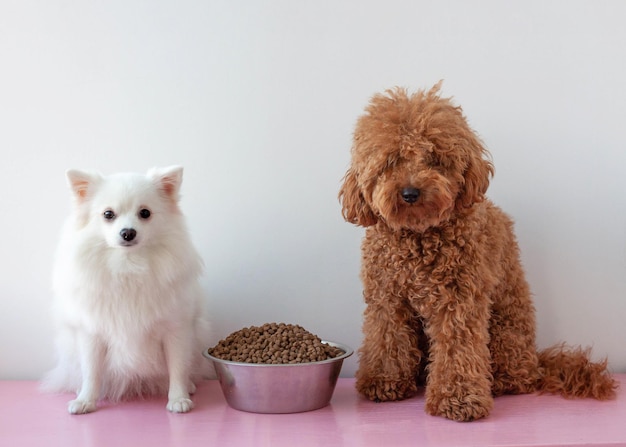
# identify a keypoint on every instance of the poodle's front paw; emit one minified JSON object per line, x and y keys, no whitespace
{"x":80,"y":406}
{"x":462,"y":407}
{"x":383,"y":390}
{"x":180,"y":405}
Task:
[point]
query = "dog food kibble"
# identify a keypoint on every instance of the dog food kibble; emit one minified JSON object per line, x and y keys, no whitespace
{"x":274,"y":343}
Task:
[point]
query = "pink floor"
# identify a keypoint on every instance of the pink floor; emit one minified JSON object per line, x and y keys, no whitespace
{"x":28,"y":419}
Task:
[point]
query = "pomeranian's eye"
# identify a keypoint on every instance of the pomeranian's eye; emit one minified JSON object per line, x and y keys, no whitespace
{"x":109,"y":215}
{"x":144,"y":213}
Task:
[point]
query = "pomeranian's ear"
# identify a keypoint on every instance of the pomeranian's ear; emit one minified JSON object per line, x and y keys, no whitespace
{"x":82,"y":183}
{"x":168,"y":180}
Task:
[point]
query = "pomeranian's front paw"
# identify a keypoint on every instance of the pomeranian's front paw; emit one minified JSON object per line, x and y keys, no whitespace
{"x":79,"y":406}
{"x":192,"y":388}
{"x":382,"y":390}
{"x":180,"y":405}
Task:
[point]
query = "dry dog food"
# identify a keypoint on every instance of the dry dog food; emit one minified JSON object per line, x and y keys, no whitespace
{"x":274,"y":343}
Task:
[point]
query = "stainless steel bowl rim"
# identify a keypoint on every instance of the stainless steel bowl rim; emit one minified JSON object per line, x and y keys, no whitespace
{"x":346,"y":349}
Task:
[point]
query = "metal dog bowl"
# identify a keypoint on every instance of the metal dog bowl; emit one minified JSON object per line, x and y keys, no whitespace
{"x":284,"y":388}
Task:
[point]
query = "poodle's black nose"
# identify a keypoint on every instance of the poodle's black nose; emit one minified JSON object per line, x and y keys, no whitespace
{"x":128,"y":234}
{"x":410,"y":195}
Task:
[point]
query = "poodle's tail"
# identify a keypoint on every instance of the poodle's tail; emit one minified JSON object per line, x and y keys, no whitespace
{"x":571,"y":373}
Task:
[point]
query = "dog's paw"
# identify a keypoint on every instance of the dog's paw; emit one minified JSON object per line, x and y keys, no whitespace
{"x":192,"y":388}
{"x":380,"y":390}
{"x":180,"y":405}
{"x":464,"y":407}
{"x":79,"y":406}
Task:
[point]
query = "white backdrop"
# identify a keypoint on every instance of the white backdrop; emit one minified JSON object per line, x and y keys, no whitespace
{"x":257,"y":100}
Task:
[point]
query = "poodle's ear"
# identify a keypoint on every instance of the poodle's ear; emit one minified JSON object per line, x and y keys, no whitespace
{"x":353,"y":205}
{"x":82,"y":183}
{"x":477,"y":174}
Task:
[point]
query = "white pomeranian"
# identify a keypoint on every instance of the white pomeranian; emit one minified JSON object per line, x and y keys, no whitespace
{"x":129,"y":307}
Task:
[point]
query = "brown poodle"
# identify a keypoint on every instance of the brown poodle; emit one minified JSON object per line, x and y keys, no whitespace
{"x":447,"y":301}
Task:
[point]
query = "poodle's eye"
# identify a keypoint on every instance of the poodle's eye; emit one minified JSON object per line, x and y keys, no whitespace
{"x":391,"y":163}
{"x":144,"y":213}
{"x":109,"y":215}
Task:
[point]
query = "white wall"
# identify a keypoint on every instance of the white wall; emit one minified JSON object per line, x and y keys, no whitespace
{"x":257,"y":99}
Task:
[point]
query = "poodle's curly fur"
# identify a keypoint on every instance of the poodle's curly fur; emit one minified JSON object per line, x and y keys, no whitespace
{"x":448,"y":304}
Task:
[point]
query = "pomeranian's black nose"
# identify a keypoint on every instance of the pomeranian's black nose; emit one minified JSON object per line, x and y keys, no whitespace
{"x":128,"y":234}
{"x":410,"y":195}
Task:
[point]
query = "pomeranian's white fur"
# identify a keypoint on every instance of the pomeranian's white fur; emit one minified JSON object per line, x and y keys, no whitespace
{"x":128,"y":304}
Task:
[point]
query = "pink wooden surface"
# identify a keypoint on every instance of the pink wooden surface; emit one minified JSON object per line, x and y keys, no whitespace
{"x":28,"y":419}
